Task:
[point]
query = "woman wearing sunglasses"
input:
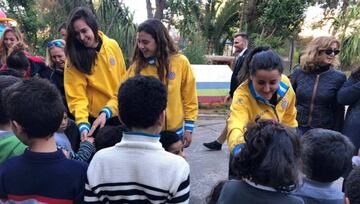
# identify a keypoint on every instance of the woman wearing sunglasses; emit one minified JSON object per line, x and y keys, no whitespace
{"x":316,"y":84}
{"x":55,"y":60}
{"x":93,"y":71}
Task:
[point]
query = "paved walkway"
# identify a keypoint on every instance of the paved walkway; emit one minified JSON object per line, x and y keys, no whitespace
{"x":207,"y":167}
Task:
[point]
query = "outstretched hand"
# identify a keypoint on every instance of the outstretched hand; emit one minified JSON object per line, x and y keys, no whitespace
{"x":99,"y":122}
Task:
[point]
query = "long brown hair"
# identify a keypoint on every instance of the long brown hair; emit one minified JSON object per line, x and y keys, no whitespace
{"x":165,"y":48}
{"x":81,"y":57}
{"x":3,"y":49}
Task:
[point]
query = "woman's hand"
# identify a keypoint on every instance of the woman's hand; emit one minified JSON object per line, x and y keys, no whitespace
{"x":99,"y":122}
{"x":187,"y":138}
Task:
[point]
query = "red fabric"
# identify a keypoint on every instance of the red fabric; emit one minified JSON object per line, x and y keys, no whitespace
{"x":22,"y":198}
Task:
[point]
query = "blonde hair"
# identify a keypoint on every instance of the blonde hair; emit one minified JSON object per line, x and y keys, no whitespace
{"x":310,"y":57}
{"x":48,"y":60}
{"x":3,"y":50}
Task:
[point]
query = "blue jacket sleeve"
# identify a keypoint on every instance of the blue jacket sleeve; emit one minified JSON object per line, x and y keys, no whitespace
{"x":349,"y":93}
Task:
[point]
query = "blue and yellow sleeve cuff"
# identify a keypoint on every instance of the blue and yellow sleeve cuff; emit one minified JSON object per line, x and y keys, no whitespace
{"x":107,"y":111}
{"x":84,"y":126}
{"x":237,"y":148}
{"x":189,"y":125}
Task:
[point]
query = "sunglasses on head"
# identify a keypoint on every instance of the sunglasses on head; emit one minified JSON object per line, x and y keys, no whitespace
{"x":330,"y":51}
{"x":57,"y":43}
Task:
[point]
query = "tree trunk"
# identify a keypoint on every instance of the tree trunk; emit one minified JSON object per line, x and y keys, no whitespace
{"x":160,"y":5}
{"x":242,"y":15}
{"x":149,"y":9}
{"x":291,"y":54}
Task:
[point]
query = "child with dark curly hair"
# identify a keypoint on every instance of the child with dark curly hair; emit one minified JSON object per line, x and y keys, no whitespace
{"x":266,"y":168}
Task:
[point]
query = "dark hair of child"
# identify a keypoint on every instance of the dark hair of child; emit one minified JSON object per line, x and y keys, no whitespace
{"x":36,"y":105}
{"x":5,"y":81}
{"x":270,"y":156}
{"x":108,"y":136}
{"x":326,"y":154}
{"x":141,"y":101}
{"x":352,"y":186}
{"x":17,"y":59}
{"x":11,"y":72}
{"x":167,"y":138}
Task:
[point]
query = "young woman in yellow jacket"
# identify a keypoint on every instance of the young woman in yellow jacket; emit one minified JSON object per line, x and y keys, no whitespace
{"x":93,"y":71}
{"x":156,"y":55}
{"x":264,"y":93}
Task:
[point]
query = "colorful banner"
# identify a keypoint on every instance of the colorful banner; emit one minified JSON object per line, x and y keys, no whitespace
{"x":212,"y":82}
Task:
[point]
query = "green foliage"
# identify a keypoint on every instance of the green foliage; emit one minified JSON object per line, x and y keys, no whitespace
{"x":196,"y":51}
{"x":272,"y":41}
{"x":283,"y":18}
{"x":346,"y":25}
{"x":214,"y":19}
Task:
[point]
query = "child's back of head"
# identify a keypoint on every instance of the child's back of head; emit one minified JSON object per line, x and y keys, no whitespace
{"x":141,"y":108}
{"x":107,"y":136}
{"x":270,"y":156}
{"x":5,"y":82}
{"x":172,"y":142}
{"x":36,"y":106}
{"x":266,"y":167}
{"x":17,"y":59}
{"x":325,"y":154}
{"x":352,"y":187}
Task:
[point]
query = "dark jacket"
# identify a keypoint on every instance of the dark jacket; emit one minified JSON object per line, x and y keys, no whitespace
{"x":349,"y":94}
{"x":316,"y":101}
{"x":56,"y":77}
{"x":240,"y":192}
{"x":234,"y":77}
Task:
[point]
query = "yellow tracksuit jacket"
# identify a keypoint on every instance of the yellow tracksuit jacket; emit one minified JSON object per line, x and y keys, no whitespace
{"x":182,"y":104}
{"x":247,"y":106}
{"x":89,"y":94}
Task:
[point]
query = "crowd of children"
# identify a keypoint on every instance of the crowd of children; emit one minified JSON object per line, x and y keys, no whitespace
{"x":79,"y":128}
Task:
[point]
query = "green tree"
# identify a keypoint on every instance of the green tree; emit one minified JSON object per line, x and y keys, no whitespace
{"x":213,"y":19}
{"x":346,"y":27}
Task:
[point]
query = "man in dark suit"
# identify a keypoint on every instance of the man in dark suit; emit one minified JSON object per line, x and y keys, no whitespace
{"x":241,"y":42}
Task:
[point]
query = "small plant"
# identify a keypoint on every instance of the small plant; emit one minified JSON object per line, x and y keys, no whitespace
{"x":196,"y":50}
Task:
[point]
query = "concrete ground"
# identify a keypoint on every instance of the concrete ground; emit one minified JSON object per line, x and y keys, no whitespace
{"x":209,"y":167}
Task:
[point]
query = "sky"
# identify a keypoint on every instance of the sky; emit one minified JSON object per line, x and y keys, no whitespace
{"x":139,"y":7}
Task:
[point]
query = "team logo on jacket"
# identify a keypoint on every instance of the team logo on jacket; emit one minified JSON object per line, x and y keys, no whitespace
{"x":284,"y":104}
{"x":171,"y":75}
{"x":112,"y":60}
